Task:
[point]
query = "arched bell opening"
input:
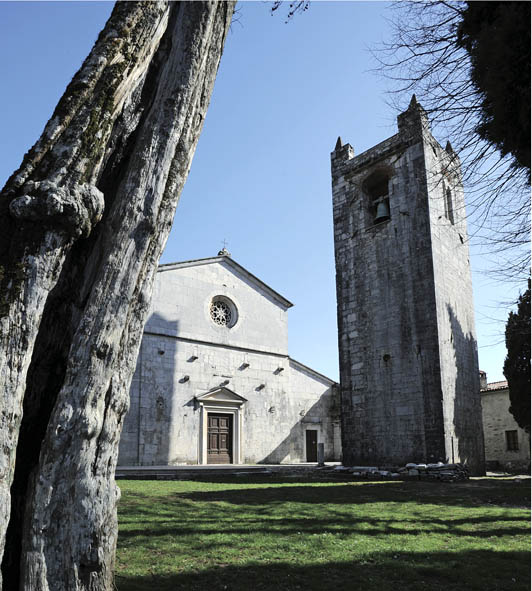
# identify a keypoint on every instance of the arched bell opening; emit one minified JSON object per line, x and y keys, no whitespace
{"x":376,"y":187}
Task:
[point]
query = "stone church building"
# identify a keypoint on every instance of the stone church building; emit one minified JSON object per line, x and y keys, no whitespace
{"x":507,"y":445}
{"x":214,"y":382}
{"x":409,"y":376}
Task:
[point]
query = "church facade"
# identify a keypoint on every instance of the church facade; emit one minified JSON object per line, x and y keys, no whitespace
{"x":408,"y":357}
{"x":214,"y":383}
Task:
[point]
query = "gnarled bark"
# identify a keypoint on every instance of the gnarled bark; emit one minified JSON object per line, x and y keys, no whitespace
{"x":84,"y":222}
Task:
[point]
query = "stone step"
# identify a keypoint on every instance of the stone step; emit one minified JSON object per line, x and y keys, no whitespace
{"x":208,"y":471}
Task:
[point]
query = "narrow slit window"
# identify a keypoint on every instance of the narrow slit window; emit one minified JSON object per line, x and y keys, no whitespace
{"x":449,"y":213}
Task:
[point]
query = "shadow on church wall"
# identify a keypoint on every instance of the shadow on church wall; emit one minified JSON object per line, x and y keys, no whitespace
{"x":322,"y":415}
{"x":146,"y":435}
{"x":468,"y":439}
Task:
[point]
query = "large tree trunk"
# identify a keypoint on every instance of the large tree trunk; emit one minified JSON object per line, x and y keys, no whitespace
{"x":82,"y":226}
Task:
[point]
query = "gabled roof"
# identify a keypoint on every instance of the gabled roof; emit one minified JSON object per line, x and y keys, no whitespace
{"x":313,"y":372}
{"x":221,"y":394}
{"x":227,"y":260}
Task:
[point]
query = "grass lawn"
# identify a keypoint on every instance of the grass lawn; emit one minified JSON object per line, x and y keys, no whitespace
{"x":286,"y":534}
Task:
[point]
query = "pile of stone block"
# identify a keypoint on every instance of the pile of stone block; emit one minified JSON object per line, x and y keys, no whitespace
{"x":439,"y":471}
{"x":368,"y":472}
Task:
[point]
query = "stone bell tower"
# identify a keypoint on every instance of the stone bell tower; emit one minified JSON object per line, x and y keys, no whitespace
{"x":408,"y":355}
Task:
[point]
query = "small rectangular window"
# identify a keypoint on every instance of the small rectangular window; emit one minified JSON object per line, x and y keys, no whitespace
{"x":512,"y":443}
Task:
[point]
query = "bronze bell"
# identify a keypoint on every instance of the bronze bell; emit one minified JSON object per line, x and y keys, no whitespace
{"x":383,"y":212}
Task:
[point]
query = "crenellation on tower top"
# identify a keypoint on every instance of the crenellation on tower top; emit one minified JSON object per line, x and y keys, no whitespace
{"x":342,"y":152}
{"x":414,"y":120}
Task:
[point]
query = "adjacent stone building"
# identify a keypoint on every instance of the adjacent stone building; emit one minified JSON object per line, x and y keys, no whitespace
{"x":408,"y":357}
{"x":214,"y":382}
{"x":507,"y":445}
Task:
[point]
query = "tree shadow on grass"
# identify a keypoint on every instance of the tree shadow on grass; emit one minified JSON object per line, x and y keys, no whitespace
{"x":466,"y":494}
{"x":391,"y":509}
{"x":475,"y":570}
{"x":346,"y":527}
{"x":492,"y":481}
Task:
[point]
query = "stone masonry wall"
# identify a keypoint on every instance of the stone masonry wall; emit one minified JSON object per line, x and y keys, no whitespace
{"x":454,"y":304}
{"x":274,"y":417}
{"x":181,"y":300}
{"x":497,"y":420}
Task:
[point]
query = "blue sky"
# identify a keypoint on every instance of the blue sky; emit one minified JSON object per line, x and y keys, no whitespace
{"x":261,"y":174}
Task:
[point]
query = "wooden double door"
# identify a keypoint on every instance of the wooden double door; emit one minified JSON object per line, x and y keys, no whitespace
{"x":219,"y":438}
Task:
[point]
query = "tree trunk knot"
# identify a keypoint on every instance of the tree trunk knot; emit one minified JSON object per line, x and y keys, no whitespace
{"x":72,"y":210}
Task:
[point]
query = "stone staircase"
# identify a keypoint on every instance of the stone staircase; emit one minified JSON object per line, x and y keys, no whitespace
{"x":209,"y":471}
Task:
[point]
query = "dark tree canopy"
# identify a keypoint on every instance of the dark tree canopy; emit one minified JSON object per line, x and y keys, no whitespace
{"x":517,"y":363}
{"x":496,"y":35}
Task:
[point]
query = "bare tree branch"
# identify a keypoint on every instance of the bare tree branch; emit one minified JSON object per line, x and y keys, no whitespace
{"x":423,"y":57}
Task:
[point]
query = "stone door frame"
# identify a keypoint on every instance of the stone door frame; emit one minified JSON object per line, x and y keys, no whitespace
{"x":220,"y":401}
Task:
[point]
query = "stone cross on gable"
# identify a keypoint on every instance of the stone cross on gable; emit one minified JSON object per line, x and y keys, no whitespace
{"x":224,"y":251}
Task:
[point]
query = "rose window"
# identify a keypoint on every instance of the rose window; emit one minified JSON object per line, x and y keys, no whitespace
{"x":221,"y":313}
